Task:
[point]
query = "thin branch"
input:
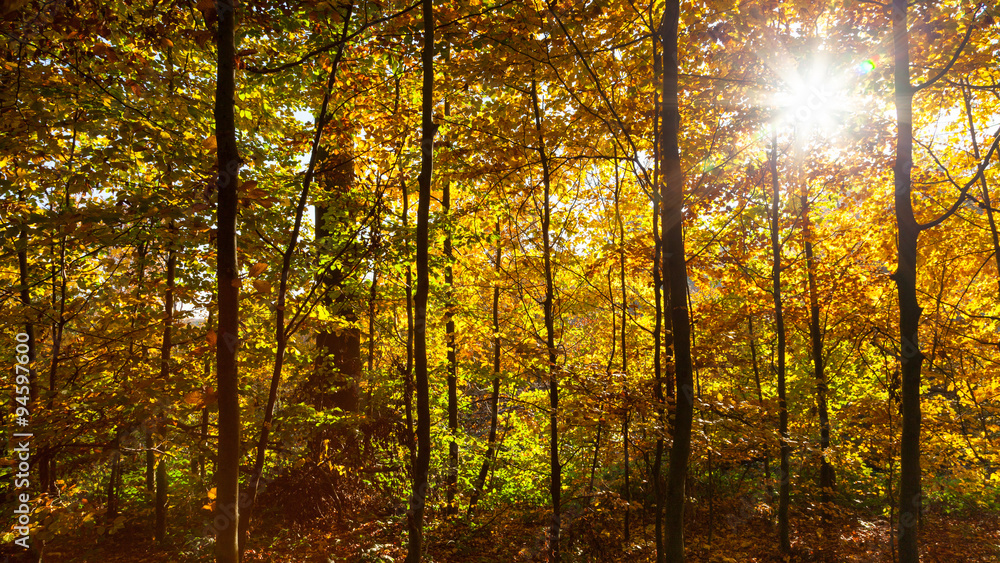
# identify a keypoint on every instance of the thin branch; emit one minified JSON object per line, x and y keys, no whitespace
{"x":965,"y":189}
{"x":954,"y":58}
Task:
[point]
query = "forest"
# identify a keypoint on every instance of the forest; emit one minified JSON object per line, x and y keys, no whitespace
{"x":704,"y":281}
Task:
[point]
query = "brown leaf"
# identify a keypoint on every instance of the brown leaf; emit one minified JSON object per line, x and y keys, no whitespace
{"x":257,"y":268}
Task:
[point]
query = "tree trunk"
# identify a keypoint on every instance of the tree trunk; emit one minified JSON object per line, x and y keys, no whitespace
{"x":658,"y":288}
{"x":906,"y":284}
{"x":624,"y":304}
{"x":408,"y":370}
{"x":161,"y":500}
{"x":495,"y":395}
{"x":555,"y":485}
{"x":29,"y":326}
{"x":203,"y":436}
{"x":760,"y":402}
{"x":675,"y":270}
{"x":826,"y":473}
{"x":112,"y":492}
{"x":415,"y":519}
{"x":784,"y":486}
{"x":160,"y":503}
{"x":449,"y":318}
{"x":338,"y":369}
{"x":281,"y":331}
{"x":226,"y":521}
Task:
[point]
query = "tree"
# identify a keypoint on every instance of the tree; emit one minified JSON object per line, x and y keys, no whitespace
{"x":418,"y":498}
{"x":228,"y":292}
{"x":555,"y":467}
{"x":784,"y":485}
{"x":675,"y":272}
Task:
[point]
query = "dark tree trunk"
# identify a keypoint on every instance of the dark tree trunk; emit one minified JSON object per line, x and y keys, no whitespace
{"x":658,"y":288}
{"x":608,"y":370}
{"x":760,"y":402}
{"x":906,"y":284}
{"x":451,"y":486}
{"x":826,"y":473}
{"x":408,"y":369}
{"x":624,"y":303}
{"x":555,"y":485}
{"x":415,"y":519}
{"x":29,"y":325}
{"x":784,"y":486}
{"x":160,"y":502}
{"x":452,"y":476}
{"x":113,"y":491}
{"x":338,"y":368}
{"x":203,"y":436}
{"x":675,"y":269}
{"x":495,"y":395}
{"x":226,"y":521}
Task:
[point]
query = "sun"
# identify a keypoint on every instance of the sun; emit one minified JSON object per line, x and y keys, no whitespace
{"x":813,"y":96}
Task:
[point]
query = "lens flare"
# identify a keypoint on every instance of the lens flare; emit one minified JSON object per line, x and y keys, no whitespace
{"x":866,"y":66}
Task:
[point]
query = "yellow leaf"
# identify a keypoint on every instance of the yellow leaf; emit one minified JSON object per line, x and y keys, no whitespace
{"x":210,"y":143}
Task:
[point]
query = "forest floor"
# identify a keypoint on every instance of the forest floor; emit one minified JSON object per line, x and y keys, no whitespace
{"x":735,"y":533}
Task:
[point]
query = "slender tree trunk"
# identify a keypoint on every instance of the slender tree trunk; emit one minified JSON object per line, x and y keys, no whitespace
{"x":449,"y":318}
{"x":226,"y":521}
{"x":779,"y":320}
{"x":658,"y":288}
{"x":555,"y":485}
{"x":161,"y":500}
{"x":373,"y":309}
{"x":597,"y":450}
{"x":675,"y":270}
{"x":418,"y":500}
{"x":608,"y":370}
{"x":624,"y":304}
{"x":29,"y":326}
{"x":906,"y":284}
{"x":160,"y":503}
{"x":281,"y":331}
{"x":150,"y":458}
{"x":47,"y":458}
{"x":408,"y":370}
{"x":203,"y":436}
{"x":986,"y":203}
{"x":495,"y":395}
{"x":760,"y":401}
{"x":826,"y":472}
{"x":112,"y":493}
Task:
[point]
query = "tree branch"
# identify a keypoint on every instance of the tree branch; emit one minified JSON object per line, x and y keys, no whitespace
{"x":954,"y":58}
{"x":964,"y":192}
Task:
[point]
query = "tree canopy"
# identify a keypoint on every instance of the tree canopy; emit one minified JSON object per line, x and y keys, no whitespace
{"x":496,"y":280}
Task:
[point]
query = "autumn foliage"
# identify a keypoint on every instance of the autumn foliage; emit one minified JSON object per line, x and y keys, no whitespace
{"x":474,"y":308}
